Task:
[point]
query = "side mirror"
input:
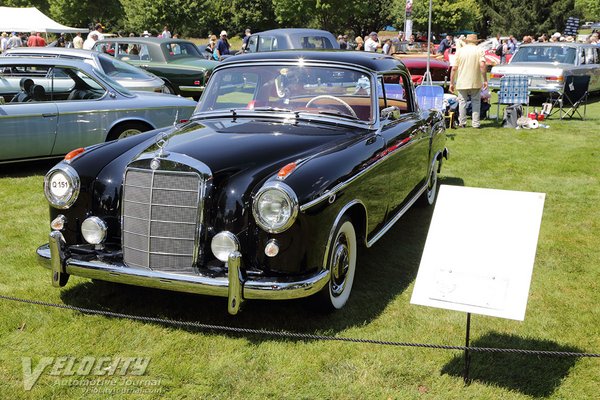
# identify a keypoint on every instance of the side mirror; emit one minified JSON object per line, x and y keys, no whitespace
{"x":391,"y":113}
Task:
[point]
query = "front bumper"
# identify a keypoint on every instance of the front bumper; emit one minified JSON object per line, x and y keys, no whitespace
{"x":235,"y":286}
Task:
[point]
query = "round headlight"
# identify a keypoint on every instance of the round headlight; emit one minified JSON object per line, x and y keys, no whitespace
{"x":275,"y":207}
{"x":223,"y":243}
{"x":93,"y":230}
{"x":61,"y":186}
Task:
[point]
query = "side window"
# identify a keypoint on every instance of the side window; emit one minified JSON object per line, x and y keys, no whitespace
{"x":251,"y":44}
{"x":393,"y":91}
{"x":70,"y":84}
{"x":267,"y":43}
{"x":24,"y":83}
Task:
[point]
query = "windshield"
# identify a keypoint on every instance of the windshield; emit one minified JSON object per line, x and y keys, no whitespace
{"x":549,"y":54}
{"x":121,"y":70}
{"x":116,"y":85}
{"x":296,"y":88}
{"x":178,"y":50}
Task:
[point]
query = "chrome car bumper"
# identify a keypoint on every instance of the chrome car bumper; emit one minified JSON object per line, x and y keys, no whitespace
{"x":191,"y":88}
{"x":233,"y":286}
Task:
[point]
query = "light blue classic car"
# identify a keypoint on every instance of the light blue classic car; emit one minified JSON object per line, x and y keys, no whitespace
{"x":51,"y":106}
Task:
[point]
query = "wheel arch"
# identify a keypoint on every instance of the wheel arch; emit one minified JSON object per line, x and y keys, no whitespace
{"x":357,"y":213}
{"x":119,"y":123}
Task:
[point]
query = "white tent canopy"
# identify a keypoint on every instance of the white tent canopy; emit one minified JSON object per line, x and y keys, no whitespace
{"x":30,"y":19}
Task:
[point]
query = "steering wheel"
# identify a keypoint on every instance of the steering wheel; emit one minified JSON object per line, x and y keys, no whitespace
{"x":342,"y":102}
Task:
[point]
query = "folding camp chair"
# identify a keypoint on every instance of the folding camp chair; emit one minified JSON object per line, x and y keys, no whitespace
{"x":430,"y":97}
{"x":574,"y":94}
{"x":514,"y":89}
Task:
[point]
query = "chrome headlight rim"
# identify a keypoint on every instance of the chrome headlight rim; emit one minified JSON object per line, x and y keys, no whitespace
{"x":67,"y":200}
{"x":292,"y":199}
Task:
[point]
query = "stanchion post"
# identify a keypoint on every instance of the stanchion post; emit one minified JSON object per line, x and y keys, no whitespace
{"x":467,"y":354}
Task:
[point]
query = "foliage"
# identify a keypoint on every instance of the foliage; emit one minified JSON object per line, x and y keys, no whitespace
{"x":533,"y":17}
{"x":446,"y":16}
{"x":188,"y":363}
{"x":588,"y":10}
{"x":359,"y":17}
{"x":85,"y":14}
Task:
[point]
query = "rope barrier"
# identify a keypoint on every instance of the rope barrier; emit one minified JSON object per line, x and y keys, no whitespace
{"x":295,"y":335}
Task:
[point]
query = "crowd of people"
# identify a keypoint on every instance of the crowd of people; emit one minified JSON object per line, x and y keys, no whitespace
{"x":373,"y":43}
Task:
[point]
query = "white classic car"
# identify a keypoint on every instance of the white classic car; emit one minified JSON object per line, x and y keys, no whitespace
{"x":549,"y":64}
{"x":49,"y":106}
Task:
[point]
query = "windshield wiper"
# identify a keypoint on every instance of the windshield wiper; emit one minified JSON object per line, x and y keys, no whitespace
{"x":338,"y":114}
{"x":278,"y":109}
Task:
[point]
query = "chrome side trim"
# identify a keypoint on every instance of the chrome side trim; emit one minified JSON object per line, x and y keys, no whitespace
{"x":396,"y":217}
{"x":262,"y":288}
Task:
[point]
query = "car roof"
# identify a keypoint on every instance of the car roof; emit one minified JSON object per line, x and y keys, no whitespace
{"x":141,"y":39}
{"x":54,"y":50}
{"x":557,"y":44}
{"x":46,"y":61}
{"x":374,"y":61}
{"x":288,"y":31}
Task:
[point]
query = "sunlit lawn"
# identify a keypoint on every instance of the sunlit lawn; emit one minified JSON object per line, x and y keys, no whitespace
{"x":562,"y":314}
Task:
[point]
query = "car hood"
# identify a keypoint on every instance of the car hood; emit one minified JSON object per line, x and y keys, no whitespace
{"x":531,"y":68}
{"x":227,"y":145}
{"x":162,"y":99}
{"x":196,"y":62}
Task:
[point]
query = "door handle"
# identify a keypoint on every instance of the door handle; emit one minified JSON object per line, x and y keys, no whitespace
{"x":49,"y":115}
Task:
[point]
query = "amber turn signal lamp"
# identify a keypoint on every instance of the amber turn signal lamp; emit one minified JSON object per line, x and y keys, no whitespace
{"x":285,"y":171}
{"x":74,"y":153}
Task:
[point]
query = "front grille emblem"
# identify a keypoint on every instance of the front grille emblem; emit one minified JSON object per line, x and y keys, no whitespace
{"x":161,"y":142}
{"x":155,"y":163}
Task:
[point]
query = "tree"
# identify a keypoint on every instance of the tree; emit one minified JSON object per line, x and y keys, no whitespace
{"x":447,"y":15}
{"x":512,"y":17}
{"x":589,"y":10}
{"x":358,"y":16}
{"x":85,"y":13}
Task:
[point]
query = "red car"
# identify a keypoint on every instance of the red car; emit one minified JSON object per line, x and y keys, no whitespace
{"x":439,"y":69}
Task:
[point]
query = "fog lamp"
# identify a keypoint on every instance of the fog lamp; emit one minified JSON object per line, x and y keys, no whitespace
{"x":222,"y":244}
{"x":93,"y":230}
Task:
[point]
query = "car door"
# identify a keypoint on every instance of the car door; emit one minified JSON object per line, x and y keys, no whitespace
{"x":27,"y":129}
{"x":407,"y":141}
{"x":82,"y":120}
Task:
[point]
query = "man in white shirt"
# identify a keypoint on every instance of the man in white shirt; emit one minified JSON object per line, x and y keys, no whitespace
{"x":372,"y":43}
{"x":98,"y":29}
{"x":90,"y":41}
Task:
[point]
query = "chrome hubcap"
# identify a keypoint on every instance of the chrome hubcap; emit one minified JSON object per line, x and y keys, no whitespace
{"x":431,"y":188}
{"x":339,"y":266}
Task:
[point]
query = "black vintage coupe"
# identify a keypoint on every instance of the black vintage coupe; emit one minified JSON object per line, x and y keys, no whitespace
{"x":289,"y":163}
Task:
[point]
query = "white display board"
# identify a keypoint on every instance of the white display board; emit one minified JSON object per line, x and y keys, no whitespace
{"x":479,"y":253}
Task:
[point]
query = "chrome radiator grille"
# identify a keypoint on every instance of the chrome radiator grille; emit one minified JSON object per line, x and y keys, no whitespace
{"x":160,"y":219}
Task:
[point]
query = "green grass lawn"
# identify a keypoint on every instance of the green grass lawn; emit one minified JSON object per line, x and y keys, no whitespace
{"x":562,"y":313}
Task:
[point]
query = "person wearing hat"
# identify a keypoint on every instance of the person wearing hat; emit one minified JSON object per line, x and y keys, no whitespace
{"x":468,"y":77}
{"x":555,"y":37}
{"x":98,"y":29}
{"x":372,"y":43}
{"x":222,"y":48}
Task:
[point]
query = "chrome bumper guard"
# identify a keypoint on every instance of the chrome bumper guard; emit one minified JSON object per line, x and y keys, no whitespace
{"x":233,"y":286}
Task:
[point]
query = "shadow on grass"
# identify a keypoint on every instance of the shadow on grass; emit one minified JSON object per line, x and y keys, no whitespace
{"x":383,"y":271}
{"x":532,"y":375}
{"x":29,"y":168}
